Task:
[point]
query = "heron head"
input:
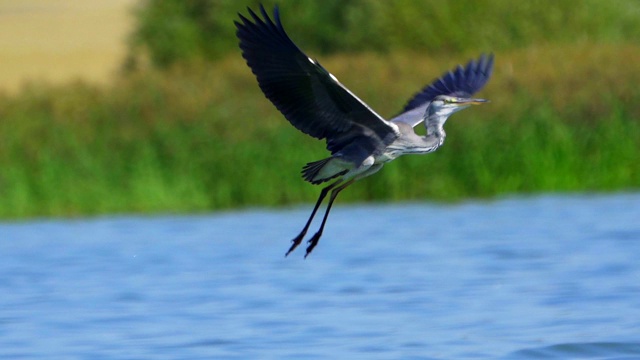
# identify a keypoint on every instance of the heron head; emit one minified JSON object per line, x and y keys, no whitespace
{"x":443,"y":106}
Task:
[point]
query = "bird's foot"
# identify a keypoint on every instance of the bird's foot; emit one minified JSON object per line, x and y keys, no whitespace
{"x":312,"y":243}
{"x":296,"y":241}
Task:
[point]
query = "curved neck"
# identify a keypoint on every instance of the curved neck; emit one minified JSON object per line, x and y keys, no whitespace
{"x":433,"y":139}
{"x":411,"y":143}
{"x":435,"y":125}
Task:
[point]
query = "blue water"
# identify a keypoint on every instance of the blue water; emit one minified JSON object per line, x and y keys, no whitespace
{"x":551,"y":277}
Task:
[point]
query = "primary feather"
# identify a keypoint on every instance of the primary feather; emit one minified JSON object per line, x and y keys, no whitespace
{"x":310,"y":97}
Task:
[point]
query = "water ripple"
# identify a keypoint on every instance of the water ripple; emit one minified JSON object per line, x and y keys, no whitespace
{"x":550,"y":277}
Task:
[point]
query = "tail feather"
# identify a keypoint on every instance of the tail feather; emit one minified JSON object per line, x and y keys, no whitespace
{"x":320,"y":171}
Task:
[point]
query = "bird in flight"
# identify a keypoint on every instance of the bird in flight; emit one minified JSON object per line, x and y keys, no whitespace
{"x":360,"y":140}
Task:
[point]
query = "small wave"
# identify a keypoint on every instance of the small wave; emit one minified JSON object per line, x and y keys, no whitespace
{"x":594,"y":350}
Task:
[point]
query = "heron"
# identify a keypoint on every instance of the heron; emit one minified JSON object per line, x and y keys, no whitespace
{"x":360,"y":141}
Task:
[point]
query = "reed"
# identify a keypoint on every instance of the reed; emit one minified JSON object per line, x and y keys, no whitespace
{"x":202,"y":137}
{"x":171,"y":31}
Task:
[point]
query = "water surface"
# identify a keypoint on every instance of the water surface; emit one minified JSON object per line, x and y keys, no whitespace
{"x":551,"y":277}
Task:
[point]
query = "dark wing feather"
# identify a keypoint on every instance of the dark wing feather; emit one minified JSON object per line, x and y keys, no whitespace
{"x":307,"y":95}
{"x":461,"y":82}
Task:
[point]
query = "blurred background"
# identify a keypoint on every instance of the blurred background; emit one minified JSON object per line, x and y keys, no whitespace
{"x":518,"y":239}
{"x":147,"y":106}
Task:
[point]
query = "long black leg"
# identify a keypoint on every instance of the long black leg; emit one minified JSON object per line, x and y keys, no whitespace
{"x":298,"y":239}
{"x":314,"y":239}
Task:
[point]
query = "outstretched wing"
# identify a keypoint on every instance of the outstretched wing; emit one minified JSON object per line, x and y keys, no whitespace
{"x":461,"y":82}
{"x":309,"y":96}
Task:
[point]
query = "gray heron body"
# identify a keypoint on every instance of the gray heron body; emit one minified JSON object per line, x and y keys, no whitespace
{"x":360,"y":140}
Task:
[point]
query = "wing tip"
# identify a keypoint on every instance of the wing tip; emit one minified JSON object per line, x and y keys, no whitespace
{"x":464,"y":81}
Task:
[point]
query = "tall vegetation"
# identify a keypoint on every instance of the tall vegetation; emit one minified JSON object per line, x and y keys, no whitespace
{"x":203,"y":137}
{"x":172,"y":31}
{"x":195,"y":133}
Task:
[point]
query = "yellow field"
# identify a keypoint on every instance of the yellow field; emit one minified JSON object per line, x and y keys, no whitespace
{"x":62,"y":40}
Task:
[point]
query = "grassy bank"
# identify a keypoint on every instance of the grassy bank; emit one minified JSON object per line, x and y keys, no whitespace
{"x":203,"y":137}
{"x":171,"y":31}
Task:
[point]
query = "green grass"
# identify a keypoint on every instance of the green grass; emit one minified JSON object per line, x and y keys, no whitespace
{"x":170,"y":31}
{"x":203,"y":137}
